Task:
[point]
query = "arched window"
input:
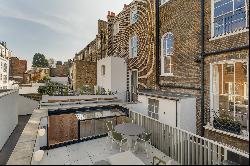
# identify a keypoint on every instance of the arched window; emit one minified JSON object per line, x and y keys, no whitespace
{"x":166,"y":54}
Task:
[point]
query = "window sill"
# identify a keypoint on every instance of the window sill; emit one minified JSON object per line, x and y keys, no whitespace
{"x":211,"y":128}
{"x":229,"y":34}
{"x":133,"y":57}
{"x":167,"y":75}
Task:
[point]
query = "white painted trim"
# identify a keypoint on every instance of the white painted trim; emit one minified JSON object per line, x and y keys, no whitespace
{"x":163,"y":74}
{"x":229,"y":34}
{"x":130,"y":46}
{"x":167,"y":75}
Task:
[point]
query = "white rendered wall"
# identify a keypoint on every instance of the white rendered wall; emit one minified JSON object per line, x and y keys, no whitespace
{"x":43,"y":139}
{"x":115,"y":77}
{"x":119,"y":77}
{"x":30,"y":90}
{"x":8,"y":115}
{"x":167,"y":109}
{"x":187,"y":116}
{"x":61,"y":80}
{"x":26,"y":106}
{"x":186,"y":111}
{"x":104,"y":81}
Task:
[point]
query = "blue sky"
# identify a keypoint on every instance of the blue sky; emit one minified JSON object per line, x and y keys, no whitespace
{"x":56,"y":28}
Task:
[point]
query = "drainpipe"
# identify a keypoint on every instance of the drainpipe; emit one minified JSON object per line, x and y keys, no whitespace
{"x":202,"y":67}
{"x":101,"y":44}
{"x":176,"y":113}
{"x":157,"y":40}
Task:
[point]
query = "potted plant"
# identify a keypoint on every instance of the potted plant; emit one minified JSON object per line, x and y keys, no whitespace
{"x":227,"y":124}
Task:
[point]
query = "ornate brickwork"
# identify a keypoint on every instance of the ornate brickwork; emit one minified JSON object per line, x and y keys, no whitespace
{"x":144,"y":29}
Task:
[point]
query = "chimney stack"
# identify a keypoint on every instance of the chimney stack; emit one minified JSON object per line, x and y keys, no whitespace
{"x":125,"y":6}
{"x":111,"y":14}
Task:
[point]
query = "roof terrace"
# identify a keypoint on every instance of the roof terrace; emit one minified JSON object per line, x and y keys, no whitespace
{"x":72,"y":139}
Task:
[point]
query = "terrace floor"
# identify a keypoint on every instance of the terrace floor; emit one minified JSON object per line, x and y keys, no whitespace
{"x":89,"y":152}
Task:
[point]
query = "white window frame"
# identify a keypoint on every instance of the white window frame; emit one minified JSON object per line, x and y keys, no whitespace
{"x":132,"y":12}
{"x":155,"y":109}
{"x":213,"y":37}
{"x":116,"y":28}
{"x":132,"y":46}
{"x":212,"y":92}
{"x":164,"y":54}
{"x":245,"y":91}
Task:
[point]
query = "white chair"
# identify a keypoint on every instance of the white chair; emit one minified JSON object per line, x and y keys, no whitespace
{"x":110,"y":127}
{"x":145,"y":139}
{"x":117,"y":138}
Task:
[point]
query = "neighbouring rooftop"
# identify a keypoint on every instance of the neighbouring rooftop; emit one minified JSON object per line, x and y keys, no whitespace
{"x":165,"y":95}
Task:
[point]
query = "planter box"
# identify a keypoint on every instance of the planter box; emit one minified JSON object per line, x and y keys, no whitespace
{"x":227,"y":126}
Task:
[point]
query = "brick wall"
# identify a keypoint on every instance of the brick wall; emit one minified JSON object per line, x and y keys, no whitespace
{"x":60,"y":70}
{"x":84,"y":73}
{"x":181,"y":18}
{"x":231,"y":41}
{"x":222,"y":43}
{"x":17,"y":69}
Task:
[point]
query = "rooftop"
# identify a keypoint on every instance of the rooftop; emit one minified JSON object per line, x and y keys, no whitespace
{"x":166,"y":95}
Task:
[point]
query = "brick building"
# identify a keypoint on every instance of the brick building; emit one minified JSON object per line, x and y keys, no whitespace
{"x":173,"y":54}
{"x":226,"y":69}
{"x":60,"y":70}
{"x":5,"y":54}
{"x":36,"y":74}
{"x":17,"y":69}
{"x":86,"y":59}
{"x":132,"y":37}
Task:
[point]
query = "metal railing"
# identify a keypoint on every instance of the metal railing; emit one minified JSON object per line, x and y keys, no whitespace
{"x":184,"y":147}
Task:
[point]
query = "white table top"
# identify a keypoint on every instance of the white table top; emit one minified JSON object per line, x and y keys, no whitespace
{"x":129,"y":129}
{"x":125,"y":158}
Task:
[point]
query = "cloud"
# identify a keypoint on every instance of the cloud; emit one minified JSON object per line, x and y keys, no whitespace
{"x":59,"y":28}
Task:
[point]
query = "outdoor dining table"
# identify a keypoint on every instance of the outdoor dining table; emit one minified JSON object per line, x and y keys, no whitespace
{"x":130,"y":131}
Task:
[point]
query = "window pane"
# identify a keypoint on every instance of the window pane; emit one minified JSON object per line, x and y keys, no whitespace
{"x":232,"y":100}
{"x":167,"y":61}
{"x":169,"y":44}
{"x":239,"y":4}
{"x":223,"y":7}
{"x":228,"y":17}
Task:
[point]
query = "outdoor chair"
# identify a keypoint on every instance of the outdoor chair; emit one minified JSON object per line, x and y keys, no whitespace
{"x":144,"y":139}
{"x":127,"y":120}
{"x":117,"y":138}
{"x":110,"y":127}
